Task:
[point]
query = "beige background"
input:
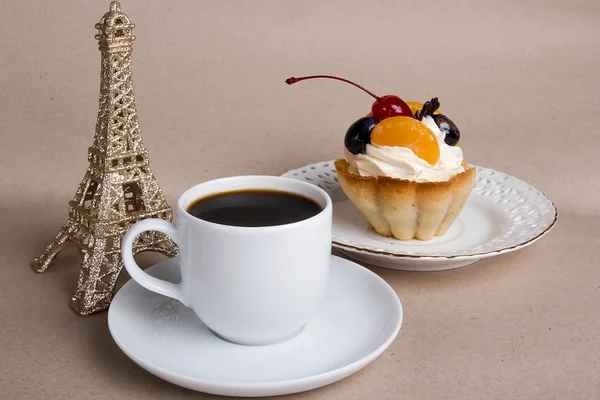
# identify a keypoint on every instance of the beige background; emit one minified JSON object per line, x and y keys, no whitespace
{"x":520,"y":78}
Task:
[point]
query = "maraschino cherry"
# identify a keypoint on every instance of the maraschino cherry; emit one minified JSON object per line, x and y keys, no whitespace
{"x":384,"y":107}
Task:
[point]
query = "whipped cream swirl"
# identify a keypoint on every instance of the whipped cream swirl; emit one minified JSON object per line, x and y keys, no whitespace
{"x":402,"y":163}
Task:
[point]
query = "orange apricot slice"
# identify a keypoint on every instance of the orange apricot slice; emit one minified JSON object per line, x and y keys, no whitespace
{"x":415,"y":106}
{"x":410,"y":133}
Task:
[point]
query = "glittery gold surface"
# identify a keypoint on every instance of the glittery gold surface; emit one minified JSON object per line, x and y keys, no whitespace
{"x":118,"y":188}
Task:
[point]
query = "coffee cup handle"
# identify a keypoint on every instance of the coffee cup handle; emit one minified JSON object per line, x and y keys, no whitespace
{"x":151,"y":283}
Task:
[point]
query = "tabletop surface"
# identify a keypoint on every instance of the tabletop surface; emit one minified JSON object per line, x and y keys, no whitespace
{"x":520,"y":79}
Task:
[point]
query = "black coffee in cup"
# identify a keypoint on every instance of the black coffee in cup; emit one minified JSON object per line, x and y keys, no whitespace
{"x":254,"y":208}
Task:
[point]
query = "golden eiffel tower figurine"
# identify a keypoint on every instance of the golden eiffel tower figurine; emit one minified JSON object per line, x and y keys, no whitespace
{"x":118,"y":188}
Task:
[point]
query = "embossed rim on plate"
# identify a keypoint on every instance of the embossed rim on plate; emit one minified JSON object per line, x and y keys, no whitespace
{"x":323,"y":174}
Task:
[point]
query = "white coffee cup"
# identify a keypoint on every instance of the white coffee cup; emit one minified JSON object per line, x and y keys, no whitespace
{"x":249,"y":285}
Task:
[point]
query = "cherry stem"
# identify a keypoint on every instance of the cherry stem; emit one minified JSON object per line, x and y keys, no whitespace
{"x":292,"y":80}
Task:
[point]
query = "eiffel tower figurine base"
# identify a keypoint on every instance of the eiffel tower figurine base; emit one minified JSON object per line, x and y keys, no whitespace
{"x":101,"y":263}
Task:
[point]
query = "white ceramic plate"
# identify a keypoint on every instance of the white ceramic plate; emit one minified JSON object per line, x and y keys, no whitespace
{"x":360,"y":317}
{"x":502,"y":214}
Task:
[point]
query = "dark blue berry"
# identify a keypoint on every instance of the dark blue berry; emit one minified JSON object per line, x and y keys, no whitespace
{"x":448,"y":128}
{"x":359,"y":135}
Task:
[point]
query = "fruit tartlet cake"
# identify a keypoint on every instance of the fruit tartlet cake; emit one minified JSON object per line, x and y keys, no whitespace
{"x":403,"y":167}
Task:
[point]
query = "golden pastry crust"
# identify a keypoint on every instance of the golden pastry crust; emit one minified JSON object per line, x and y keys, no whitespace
{"x":406,"y":209}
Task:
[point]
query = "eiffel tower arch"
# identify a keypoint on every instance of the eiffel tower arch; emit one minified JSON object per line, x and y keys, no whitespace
{"x":118,"y":188}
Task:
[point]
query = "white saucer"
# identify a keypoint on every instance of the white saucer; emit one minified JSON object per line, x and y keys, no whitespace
{"x":360,"y":317}
{"x":502,"y":214}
